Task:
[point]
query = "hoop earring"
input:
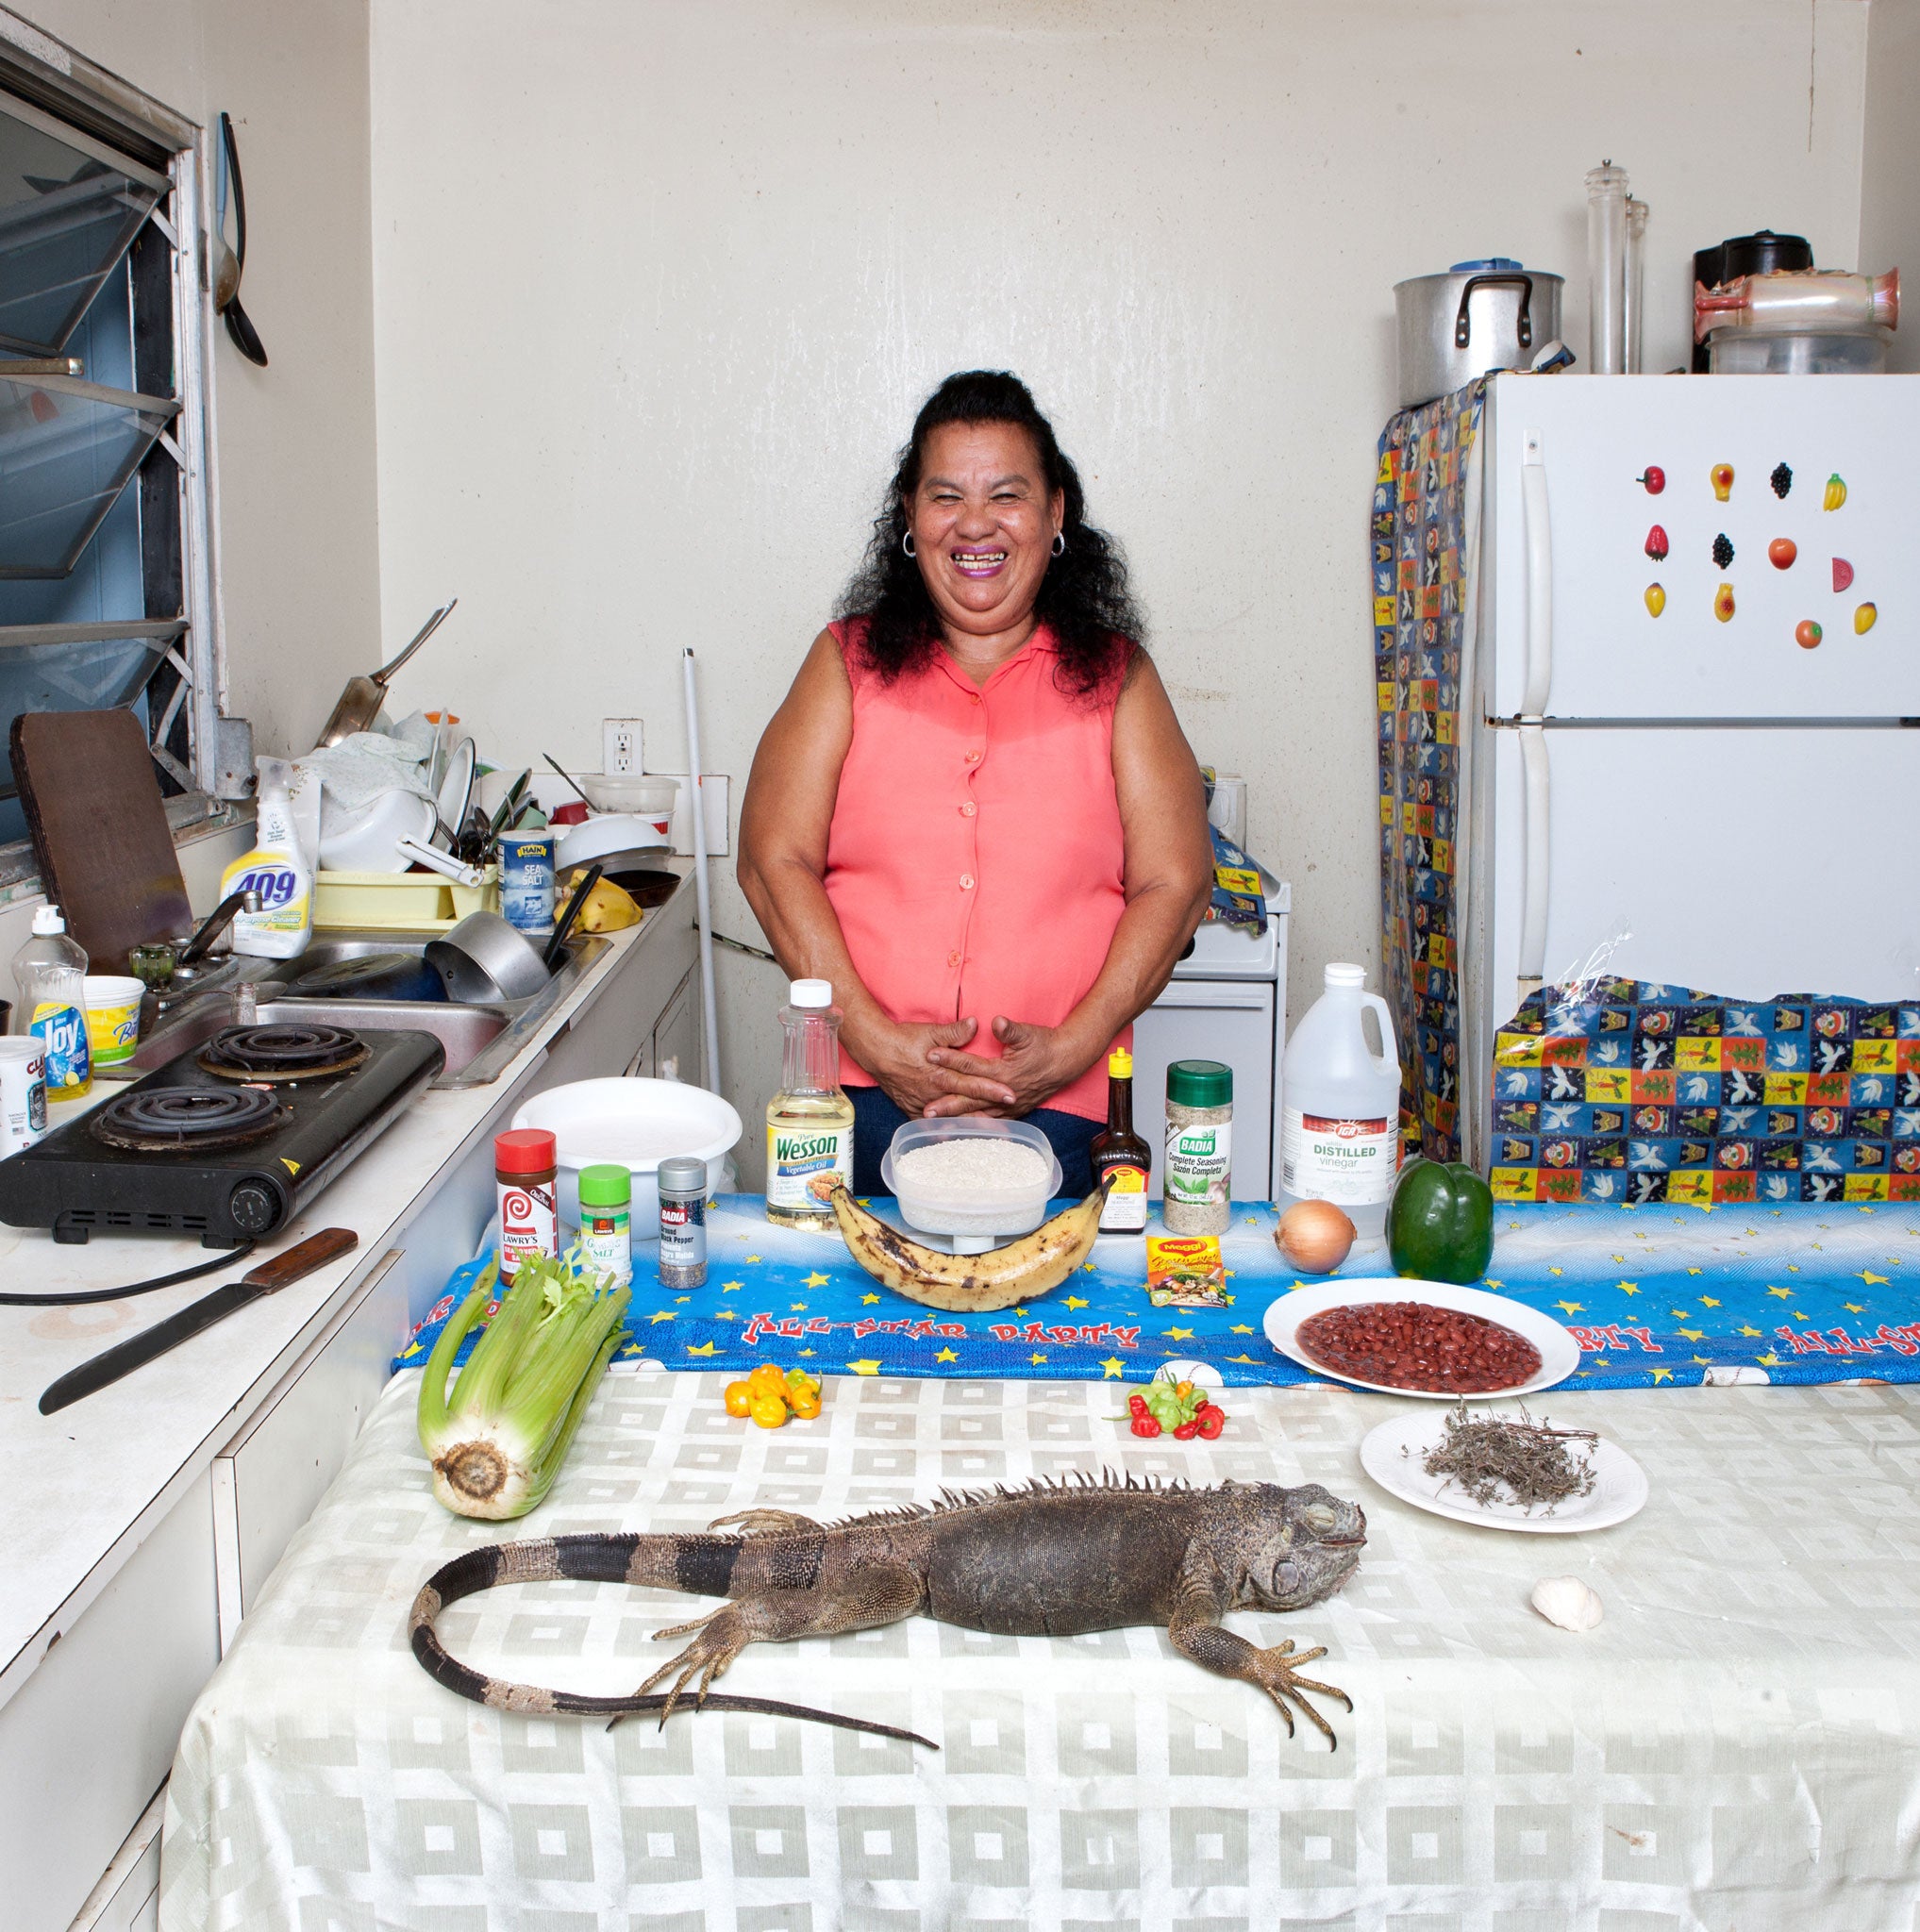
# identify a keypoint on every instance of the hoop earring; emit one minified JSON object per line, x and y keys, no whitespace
{"x":1059,"y":543}
{"x":907,"y":542}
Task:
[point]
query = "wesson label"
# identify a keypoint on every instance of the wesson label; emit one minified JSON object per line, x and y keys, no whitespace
{"x":800,"y":1159}
{"x":1326,"y":1159}
{"x":1198,"y":1160}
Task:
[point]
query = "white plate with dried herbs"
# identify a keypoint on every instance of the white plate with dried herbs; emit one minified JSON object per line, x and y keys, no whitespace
{"x":1509,"y":1470}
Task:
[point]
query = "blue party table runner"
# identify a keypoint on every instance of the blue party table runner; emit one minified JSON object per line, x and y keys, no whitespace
{"x":1659,"y":1295}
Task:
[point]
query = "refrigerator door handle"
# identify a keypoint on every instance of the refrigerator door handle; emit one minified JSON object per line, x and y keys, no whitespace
{"x":1534,"y":875}
{"x":1539,"y":529}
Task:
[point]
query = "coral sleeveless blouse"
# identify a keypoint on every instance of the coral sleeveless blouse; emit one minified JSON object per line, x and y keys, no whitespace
{"x":976,"y":857}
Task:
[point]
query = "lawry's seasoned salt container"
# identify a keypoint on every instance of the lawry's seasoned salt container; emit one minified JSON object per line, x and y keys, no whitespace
{"x":1340,"y":1104}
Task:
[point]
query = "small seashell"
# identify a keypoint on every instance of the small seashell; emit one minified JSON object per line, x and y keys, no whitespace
{"x":1568,"y":1602}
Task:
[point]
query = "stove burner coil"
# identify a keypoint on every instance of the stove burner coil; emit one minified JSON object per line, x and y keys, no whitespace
{"x":184,"y":1117}
{"x":289,"y":1051}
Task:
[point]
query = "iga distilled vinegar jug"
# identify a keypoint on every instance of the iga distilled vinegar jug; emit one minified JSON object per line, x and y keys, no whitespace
{"x":1340,"y":1105}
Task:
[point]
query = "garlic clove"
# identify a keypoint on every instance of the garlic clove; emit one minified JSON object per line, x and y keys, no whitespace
{"x":1568,"y":1602}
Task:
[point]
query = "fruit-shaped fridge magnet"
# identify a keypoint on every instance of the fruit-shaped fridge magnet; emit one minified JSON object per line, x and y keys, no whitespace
{"x":1783,"y":481}
{"x":1723,"y":550}
{"x":1807,"y":634}
{"x":1843,"y":575}
{"x":1654,"y":479}
{"x":1722,"y":481}
{"x":1656,"y":544}
{"x":1656,"y":600}
{"x":1864,"y":620}
{"x":1835,"y":492}
{"x":1781,"y":552}
{"x":1723,"y":602}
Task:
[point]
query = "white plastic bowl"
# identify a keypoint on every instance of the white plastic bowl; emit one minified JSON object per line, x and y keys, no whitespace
{"x":634,"y":1124}
{"x":361,"y":839}
{"x":605,"y":833}
{"x":1013,"y":1212}
{"x":630,"y":792}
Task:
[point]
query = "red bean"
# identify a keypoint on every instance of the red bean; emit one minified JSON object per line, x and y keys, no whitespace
{"x":1415,"y":1345}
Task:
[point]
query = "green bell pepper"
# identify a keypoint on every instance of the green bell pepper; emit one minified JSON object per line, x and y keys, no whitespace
{"x":1439,"y":1222}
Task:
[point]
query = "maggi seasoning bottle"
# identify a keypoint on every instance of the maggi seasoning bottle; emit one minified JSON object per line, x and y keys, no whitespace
{"x":809,"y":1120}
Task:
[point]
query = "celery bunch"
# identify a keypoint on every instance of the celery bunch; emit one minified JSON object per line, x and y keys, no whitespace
{"x":498,"y":1443}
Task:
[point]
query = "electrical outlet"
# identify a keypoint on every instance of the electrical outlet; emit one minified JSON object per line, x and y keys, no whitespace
{"x":620,"y":746}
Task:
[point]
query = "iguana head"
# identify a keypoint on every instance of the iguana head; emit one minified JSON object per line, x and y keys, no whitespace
{"x":1294,"y":1546}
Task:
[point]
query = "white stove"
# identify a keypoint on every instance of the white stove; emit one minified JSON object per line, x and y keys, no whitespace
{"x":1227,"y":1002}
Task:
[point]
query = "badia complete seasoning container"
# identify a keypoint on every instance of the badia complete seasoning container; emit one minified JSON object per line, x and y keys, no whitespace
{"x":1197,"y":1171}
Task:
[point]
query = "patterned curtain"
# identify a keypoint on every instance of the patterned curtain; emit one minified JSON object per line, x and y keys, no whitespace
{"x":1419,"y":532}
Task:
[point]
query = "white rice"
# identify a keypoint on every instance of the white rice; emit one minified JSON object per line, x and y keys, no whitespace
{"x":970,"y":1167}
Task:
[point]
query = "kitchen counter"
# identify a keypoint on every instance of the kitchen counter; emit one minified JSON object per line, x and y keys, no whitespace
{"x":93,"y":1484}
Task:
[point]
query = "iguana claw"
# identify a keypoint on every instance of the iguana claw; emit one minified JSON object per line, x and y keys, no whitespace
{"x":1274,"y":1670}
{"x":721,"y":1640}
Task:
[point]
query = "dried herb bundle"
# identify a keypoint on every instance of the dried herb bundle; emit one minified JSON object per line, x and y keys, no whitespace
{"x":1487,"y":1454}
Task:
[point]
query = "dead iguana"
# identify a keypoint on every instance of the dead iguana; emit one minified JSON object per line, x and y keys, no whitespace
{"x":1053,"y":1560}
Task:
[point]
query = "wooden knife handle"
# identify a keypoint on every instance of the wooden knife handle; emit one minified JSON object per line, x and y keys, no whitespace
{"x":316,"y":1251}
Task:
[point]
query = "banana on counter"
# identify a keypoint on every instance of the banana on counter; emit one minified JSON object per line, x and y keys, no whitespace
{"x":1023,"y":1271}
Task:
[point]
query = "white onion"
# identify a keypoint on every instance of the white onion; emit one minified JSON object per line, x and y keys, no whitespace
{"x":1315,"y":1237}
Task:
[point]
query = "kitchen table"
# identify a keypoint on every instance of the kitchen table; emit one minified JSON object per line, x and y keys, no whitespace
{"x":1734,"y":1746}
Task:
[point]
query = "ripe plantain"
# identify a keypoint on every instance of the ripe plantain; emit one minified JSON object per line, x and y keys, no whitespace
{"x":970,"y":1283}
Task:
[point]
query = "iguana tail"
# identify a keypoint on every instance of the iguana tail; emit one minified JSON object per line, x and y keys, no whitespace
{"x":658,"y":1561}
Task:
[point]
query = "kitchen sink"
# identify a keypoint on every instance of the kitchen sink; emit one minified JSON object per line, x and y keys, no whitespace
{"x":480,"y":1037}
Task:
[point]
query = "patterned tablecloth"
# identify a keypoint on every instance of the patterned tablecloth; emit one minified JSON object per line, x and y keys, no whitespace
{"x":1733,"y":1747}
{"x":1655,"y":1295}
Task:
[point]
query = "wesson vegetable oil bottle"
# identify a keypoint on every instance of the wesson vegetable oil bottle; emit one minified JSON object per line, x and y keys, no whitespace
{"x":809,"y":1120}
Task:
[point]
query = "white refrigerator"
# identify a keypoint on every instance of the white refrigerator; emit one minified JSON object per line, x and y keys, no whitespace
{"x":1709,"y":792}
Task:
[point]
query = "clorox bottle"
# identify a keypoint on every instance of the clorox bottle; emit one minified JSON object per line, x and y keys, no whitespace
{"x":276,"y":869}
{"x":1340,"y":1105}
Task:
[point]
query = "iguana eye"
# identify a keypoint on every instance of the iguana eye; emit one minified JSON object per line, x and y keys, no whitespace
{"x":1319,"y":1517}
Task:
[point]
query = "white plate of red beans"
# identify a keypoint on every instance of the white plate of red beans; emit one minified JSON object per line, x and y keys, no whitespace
{"x":1427,"y":1339}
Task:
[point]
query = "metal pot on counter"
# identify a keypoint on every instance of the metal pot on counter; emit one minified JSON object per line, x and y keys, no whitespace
{"x":1478,"y":316}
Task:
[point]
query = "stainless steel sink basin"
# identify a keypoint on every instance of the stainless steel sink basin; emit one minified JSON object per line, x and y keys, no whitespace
{"x":481,"y":1038}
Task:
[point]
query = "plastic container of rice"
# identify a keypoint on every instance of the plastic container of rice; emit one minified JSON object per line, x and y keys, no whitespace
{"x":971,"y":1175}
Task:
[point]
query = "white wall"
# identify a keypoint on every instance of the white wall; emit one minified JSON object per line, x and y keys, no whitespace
{"x":1890,"y":163}
{"x":299,"y":537}
{"x":659,"y":286}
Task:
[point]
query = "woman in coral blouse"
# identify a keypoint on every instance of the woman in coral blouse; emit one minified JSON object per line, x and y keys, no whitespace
{"x":976,"y":813}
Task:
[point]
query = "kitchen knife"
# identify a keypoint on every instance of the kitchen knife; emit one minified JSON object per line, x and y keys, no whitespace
{"x":316,"y":1251}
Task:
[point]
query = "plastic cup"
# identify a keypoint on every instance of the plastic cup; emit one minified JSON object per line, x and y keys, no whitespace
{"x":112,"y":1017}
{"x":23,"y":1091}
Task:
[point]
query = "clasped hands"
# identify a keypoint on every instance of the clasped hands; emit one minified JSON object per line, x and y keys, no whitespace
{"x":925,"y":1070}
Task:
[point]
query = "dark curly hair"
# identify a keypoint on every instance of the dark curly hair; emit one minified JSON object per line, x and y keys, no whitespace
{"x":1084,"y":598}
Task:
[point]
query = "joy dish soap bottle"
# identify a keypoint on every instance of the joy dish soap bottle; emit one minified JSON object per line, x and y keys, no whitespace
{"x":51,"y":973}
{"x":809,"y":1120}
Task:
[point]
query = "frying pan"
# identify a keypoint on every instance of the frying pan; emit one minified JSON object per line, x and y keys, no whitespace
{"x":378,"y":976}
{"x":359,"y":702}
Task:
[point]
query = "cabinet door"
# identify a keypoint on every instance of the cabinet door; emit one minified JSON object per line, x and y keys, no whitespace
{"x":677,"y":1034}
{"x":88,"y":1739}
{"x":268,"y":1480}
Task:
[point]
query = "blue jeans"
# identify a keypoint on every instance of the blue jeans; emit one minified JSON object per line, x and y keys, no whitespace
{"x":876,"y":1119}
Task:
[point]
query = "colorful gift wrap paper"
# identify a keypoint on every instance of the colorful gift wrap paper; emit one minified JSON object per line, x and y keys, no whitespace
{"x":1660,"y":1295}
